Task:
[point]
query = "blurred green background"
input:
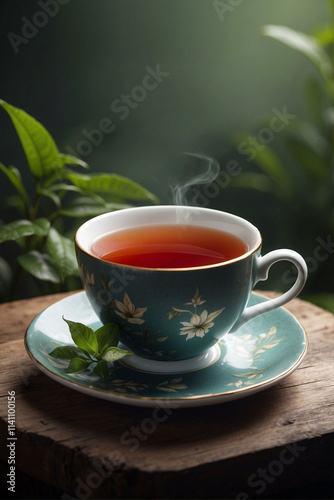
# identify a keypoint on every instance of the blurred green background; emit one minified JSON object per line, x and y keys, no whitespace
{"x":223,"y":79}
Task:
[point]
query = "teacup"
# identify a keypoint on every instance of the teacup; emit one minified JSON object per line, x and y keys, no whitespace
{"x":173,"y":318}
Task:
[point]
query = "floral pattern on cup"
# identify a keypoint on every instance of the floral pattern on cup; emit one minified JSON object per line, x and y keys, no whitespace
{"x":199,"y":322}
{"x":128,"y":311}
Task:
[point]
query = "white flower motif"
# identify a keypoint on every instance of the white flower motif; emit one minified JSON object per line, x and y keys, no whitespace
{"x":199,"y":324}
{"x":196,"y":300}
{"x":237,"y":384}
{"x":172,"y":385}
{"x":90,"y":278}
{"x":128,"y":311}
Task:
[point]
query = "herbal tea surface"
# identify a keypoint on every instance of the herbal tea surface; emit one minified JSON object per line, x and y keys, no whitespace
{"x":168,"y":246}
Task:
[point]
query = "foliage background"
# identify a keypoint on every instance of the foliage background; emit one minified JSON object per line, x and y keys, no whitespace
{"x":224,"y":79}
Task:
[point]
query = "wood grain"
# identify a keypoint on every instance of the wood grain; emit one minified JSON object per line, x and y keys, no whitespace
{"x":279,"y":440}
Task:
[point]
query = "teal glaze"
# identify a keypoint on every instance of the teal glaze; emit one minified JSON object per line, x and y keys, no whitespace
{"x":262,"y":352}
{"x":168,"y":314}
{"x":177,"y":314}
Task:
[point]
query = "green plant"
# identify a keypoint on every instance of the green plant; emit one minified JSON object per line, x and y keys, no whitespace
{"x":91,"y":347}
{"x":35,"y":233}
{"x":303,"y":177}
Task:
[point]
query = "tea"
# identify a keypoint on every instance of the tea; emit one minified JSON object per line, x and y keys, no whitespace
{"x":168,"y":246}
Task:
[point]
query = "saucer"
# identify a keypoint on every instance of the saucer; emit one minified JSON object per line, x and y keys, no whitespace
{"x":260,"y":354}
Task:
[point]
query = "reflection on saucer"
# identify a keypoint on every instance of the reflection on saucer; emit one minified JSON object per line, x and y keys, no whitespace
{"x":242,"y":351}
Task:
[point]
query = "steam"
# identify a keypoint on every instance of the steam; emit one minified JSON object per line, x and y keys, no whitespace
{"x":180,"y":190}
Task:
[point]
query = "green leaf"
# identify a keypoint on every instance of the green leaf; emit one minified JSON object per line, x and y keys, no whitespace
{"x":62,"y":252}
{"x":88,"y":195}
{"x":62,"y":186}
{"x":309,"y":134}
{"x":314,"y":99}
{"x":41,"y":226}
{"x":252,"y":180}
{"x":83,"y":336}
{"x":312,"y":164}
{"x":50,"y":194}
{"x":66,"y":352}
{"x":78,"y":365}
{"x":306,"y":45}
{"x":324,"y":34}
{"x":303,"y":43}
{"x":39,"y":147}
{"x":270,"y":164}
{"x":40,"y":266}
{"x":107,"y":336}
{"x":324,"y":300}
{"x":71,"y":160}
{"x":88,"y":207}
{"x":23,"y":228}
{"x":6,"y":278}
{"x":111,"y":183}
{"x":115,"y":353}
{"x":15,"y":178}
{"x":16,"y":202}
{"x":101,"y":369}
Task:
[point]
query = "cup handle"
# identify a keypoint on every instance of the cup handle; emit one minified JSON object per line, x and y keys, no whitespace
{"x":263,"y":265}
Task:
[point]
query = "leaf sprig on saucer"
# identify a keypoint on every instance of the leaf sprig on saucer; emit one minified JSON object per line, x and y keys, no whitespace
{"x":91,"y":346}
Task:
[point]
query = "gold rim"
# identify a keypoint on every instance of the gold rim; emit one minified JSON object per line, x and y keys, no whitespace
{"x":92,"y":389}
{"x":212,"y":266}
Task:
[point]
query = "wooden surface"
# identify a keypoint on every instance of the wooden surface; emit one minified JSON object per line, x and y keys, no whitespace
{"x":278,"y":443}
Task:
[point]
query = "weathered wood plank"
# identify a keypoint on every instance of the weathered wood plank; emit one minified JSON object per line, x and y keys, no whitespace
{"x":69,"y":440}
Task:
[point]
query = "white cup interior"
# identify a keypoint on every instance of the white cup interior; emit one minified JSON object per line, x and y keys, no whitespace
{"x":171,"y":214}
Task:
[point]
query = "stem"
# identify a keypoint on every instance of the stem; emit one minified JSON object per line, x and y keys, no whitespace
{"x":35,"y":206}
{"x":331,"y":15}
{"x":27,"y":210}
{"x":57,"y":176}
{"x":54,"y":217}
{"x":331,"y":9}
